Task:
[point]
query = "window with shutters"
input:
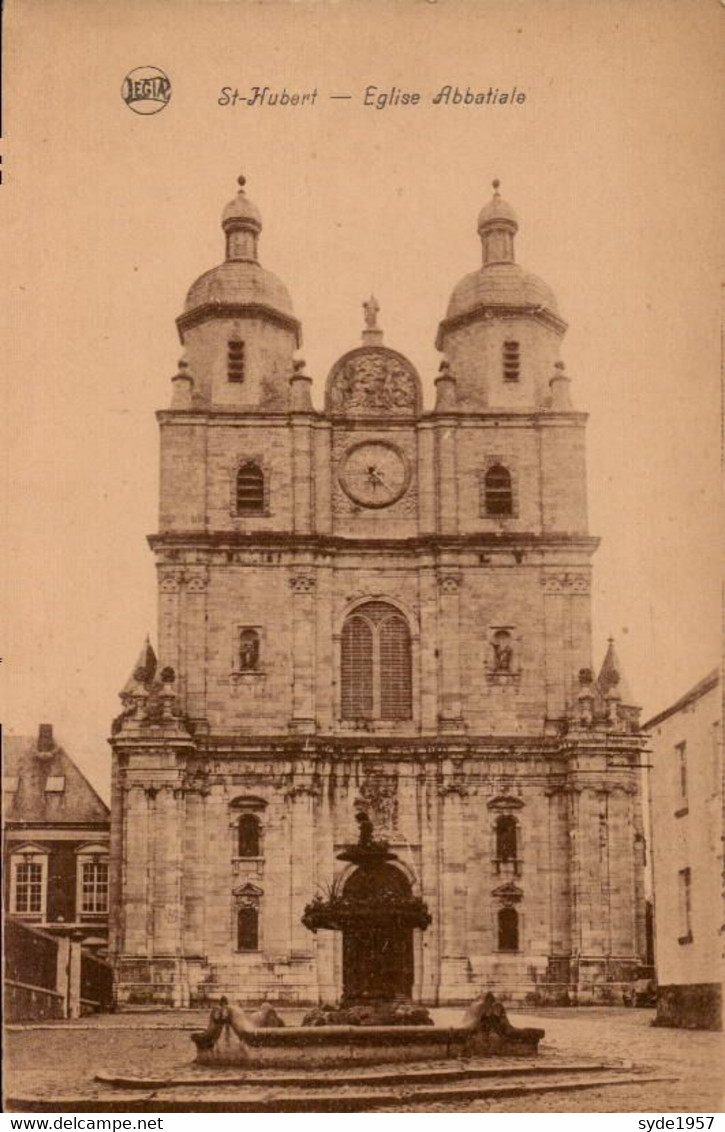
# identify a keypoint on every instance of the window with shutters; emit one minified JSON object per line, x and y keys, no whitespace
{"x":376,"y":676}
{"x":250,"y":489}
{"x":235,"y":360}
{"x":498,"y":496}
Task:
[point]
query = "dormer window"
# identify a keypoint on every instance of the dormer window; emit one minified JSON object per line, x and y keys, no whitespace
{"x":235,"y":360}
{"x":511,"y":361}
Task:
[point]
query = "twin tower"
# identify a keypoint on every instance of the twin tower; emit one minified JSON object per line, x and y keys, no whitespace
{"x":384,"y":609}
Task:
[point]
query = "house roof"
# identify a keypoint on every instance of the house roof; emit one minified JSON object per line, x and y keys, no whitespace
{"x":705,"y":685}
{"x":51,"y":790}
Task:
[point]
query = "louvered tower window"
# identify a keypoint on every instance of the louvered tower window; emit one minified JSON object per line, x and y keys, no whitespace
{"x":376,"y":664}
{"x":235,"y":360}
{"x":511,"y":361}
{"x":250,"y":488}
{"x":498,"y":492}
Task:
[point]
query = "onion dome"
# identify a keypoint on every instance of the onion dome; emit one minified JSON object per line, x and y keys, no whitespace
{"x":240,"y":281}
{"x":500,"y":282}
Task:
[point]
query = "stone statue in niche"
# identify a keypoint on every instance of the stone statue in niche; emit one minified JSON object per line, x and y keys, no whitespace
{"x":248,"y":650}
{"x":503,"y":652}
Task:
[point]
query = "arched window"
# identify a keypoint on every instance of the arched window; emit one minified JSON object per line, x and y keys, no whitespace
{"x":235,"y":360}
{"x":250,"y":489}
{"x":248,"y":844}
{"x":247,"y":929}
{"x":376,"y":664}
{"x":508,"y":929}
{"x":506,"y":838}
{"x":498,"y":492}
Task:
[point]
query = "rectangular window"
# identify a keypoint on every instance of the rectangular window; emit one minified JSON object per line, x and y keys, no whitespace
{"x":684,"y":879}
{"x":29,"y":887}
{"x":55,"y":785}
{"x":681,"y":753}
{"x":511,"y":361}
{"x":94,"y":888}
{"x":235,"y":360}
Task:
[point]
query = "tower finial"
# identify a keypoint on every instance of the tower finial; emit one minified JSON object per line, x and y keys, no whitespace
{"x":496,"y":185}
{"x":241,"y":180}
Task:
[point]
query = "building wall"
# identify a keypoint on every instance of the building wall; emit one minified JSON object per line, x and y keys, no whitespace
{"x":687,"y":833}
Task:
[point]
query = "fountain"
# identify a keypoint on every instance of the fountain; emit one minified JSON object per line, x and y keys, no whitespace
{"x":376,"y":1022}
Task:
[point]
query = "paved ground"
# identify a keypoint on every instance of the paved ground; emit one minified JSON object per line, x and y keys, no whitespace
{"x":60,"y":1059}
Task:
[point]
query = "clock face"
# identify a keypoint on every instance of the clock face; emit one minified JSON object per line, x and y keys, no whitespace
{"x":374,"y":473}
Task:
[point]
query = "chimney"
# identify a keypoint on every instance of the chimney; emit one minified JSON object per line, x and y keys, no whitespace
{"x":45,"y":738}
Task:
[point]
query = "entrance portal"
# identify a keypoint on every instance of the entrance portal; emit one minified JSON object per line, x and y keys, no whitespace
{"x":377,"y":950}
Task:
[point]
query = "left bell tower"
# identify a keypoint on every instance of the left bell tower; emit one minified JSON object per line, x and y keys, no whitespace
{"x":237,"y":327}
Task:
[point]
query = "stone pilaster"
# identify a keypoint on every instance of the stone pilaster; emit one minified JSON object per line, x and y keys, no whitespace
{"x":454,"y":958}
{"x":449,"y":714}
{"x":194,"y":876}
{"x":301,"y":474}
{"x":302,"y":586}
{"x":168,"y":619}
{"x":136,"y":870}
{"x":194,"y":618}
{"x":324,"y":867}
{"x":426,"y":480}
{"x":447,"y":438}
{"x":301,"y":797}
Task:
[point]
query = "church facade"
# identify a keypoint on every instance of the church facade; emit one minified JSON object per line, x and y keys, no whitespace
{"x":376,"y":612}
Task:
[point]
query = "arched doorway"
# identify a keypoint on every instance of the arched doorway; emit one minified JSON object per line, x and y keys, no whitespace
{"x":377,"y":944}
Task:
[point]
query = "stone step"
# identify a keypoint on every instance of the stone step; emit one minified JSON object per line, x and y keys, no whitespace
{"x":384,"y":1075}
{"x":337,"y":1099}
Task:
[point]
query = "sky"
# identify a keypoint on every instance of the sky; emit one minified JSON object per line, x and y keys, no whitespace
{"x":613,"y":164}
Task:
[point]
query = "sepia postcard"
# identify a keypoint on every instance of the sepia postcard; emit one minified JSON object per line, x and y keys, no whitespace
{"x":362,"y":630}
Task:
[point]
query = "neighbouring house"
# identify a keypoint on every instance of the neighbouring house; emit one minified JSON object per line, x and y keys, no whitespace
{"x":686,"y":807}
{"x":56,"y":833}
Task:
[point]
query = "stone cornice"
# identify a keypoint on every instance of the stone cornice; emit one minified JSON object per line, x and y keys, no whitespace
{"x":328,"y":544}
{"x":498,"y":311}
{"x":208,"y":311}
{"x":459,"y":418}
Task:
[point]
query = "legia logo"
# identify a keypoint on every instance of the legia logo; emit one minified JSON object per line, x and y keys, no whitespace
{"x":146,"y":90}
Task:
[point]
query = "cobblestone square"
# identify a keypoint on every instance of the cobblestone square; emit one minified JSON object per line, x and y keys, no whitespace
{"x":60,"y":1060}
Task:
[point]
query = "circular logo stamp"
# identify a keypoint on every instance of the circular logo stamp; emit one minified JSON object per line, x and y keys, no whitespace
{"x":146,"y":90}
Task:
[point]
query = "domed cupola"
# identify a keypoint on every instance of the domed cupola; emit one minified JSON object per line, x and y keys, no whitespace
{"x":502,"y":325}
{"x":238,"y":323}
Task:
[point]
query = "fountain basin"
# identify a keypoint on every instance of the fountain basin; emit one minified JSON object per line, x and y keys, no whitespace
{"x":314,"y":1047}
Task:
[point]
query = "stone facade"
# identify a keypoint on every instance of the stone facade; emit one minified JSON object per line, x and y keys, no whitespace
{"x":686,"y":812}
{"x":374,"y":607}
